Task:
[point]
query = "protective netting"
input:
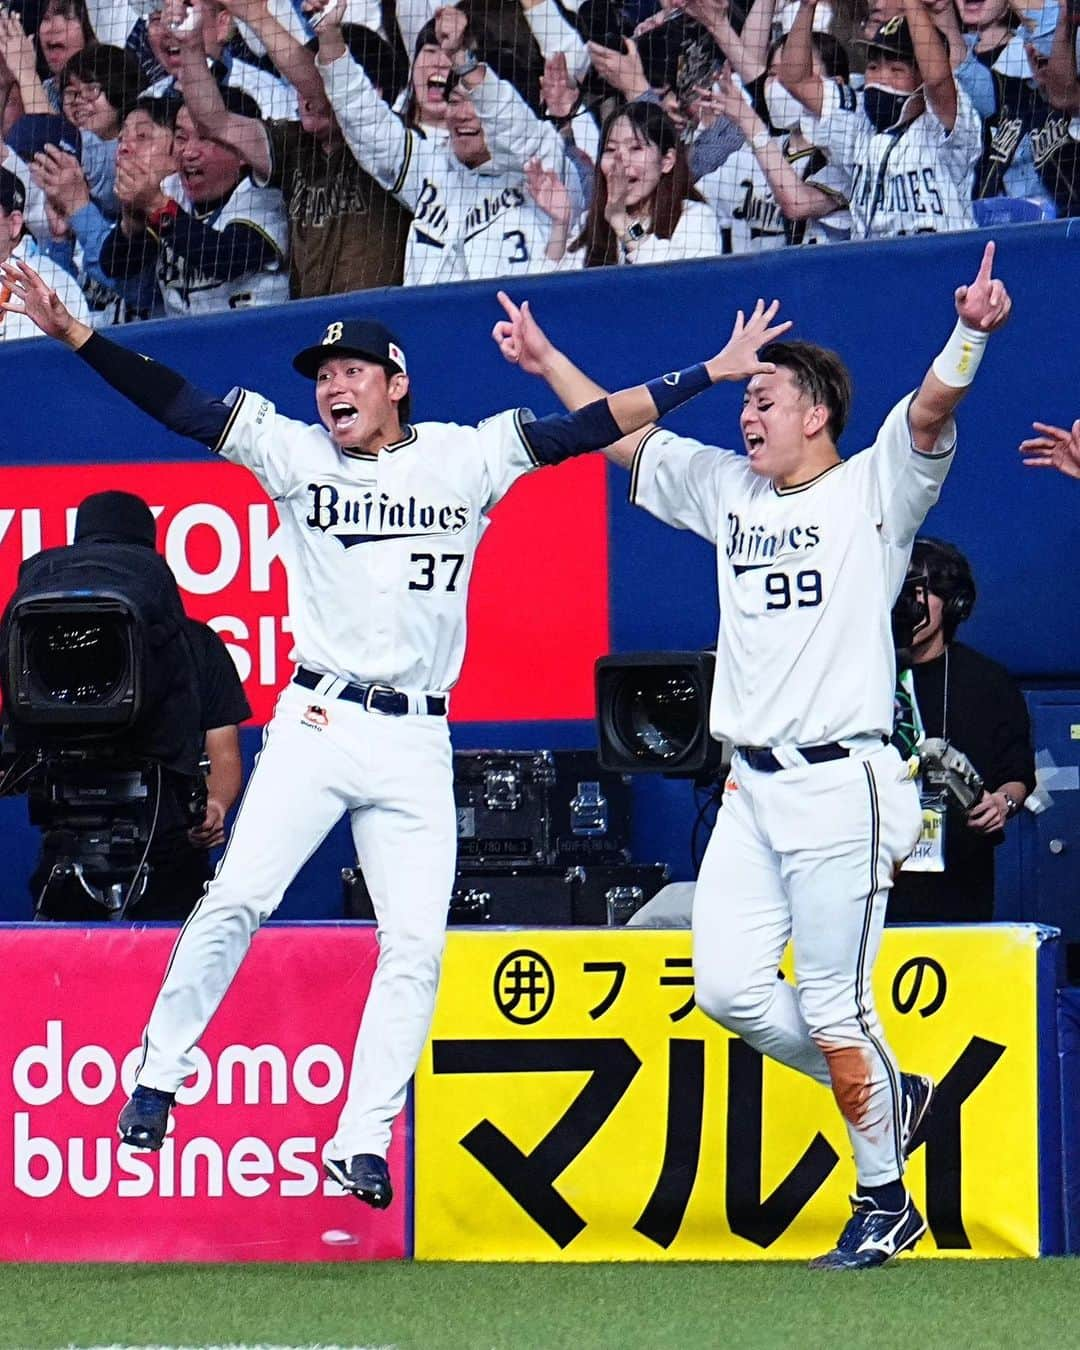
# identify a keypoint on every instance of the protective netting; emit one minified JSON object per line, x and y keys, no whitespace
{"x":204,"y":157}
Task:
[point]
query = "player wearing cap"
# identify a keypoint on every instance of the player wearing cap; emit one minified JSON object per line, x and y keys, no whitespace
{"x":381,"y":523}
{"x":818,"y":809}
{"x":909,"y":142}
{"x":16,"y":243}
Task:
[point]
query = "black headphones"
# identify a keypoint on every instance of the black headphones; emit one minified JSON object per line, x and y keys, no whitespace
{"x":949,"y":577}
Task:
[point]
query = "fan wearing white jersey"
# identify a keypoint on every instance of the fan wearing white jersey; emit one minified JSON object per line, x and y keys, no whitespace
{"x":472,"y":217}
{"x":818,"y":810}
{"x":381,"y":521}
{"x":908,"y":143}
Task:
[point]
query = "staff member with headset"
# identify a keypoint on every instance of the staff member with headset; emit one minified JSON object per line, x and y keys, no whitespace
{"x":973,"y":703}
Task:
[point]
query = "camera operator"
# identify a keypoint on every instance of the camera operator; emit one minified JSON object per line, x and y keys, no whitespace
{"x":972,"y":703}
{"x":204,"y":703}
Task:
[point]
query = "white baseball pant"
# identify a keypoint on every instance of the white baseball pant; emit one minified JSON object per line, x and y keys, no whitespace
{"x":808,"y":854}
{"x":394,"y":775}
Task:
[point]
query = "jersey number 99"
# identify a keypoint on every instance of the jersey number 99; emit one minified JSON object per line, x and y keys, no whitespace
{"x":806,"y":595}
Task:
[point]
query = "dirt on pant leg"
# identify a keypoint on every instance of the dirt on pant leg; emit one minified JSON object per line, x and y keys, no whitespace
{"x":850,"y":1071}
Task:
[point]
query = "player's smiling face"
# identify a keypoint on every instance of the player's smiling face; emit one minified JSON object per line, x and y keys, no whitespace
{"x":353,"y":396}
{"x":775,"y":421}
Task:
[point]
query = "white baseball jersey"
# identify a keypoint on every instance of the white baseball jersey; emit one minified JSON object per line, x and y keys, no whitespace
{"x":807,"y":578}
{"x":914,"y":180}
{"x":749,"y":214}
{"x":185,"y":290}
{"x":467,"y":223}
{"x":379,"y":547}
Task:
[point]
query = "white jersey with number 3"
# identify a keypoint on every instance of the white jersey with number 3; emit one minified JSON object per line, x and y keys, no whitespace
{"x":807,"y":578}
{"x":379,"y":547}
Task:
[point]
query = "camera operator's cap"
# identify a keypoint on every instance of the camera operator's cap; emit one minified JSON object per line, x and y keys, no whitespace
{"x":12,"y":192}
{"x":893,"y":38}
{"x":115,"y":515}
{"x":353,"y":337}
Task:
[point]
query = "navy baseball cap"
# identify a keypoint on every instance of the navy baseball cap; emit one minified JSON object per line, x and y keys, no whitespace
{"x":893,"y":38}
{"x":352,"y":337}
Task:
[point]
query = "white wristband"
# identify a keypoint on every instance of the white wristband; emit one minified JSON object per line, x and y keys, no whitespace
{"x":959,"y":359}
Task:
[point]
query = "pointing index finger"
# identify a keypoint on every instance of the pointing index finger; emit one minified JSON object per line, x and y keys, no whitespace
{"x":508,"y":305}
{"x":987,"y":265}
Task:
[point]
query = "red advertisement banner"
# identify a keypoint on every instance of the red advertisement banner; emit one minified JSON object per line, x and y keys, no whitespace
{"x":538,"y":611}
{"x":240,"y":1177}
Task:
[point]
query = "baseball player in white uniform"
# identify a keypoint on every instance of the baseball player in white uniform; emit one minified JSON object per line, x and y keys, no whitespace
{"x":818,"y":809}
{"x":908,"y":142}
{"x":381,"y":522}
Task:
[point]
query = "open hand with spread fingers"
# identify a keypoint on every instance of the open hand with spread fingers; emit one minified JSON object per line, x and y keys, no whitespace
{"x":985,"y":304}
{"x":24,"y":292}
{"x":1053,"y":448}
{"x":739,"y":359}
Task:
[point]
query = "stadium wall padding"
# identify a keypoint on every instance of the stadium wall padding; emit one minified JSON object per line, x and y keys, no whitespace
{"x":886,"y":307}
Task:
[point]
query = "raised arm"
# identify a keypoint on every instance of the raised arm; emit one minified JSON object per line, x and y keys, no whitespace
{"x":610,"y":423}
{"x":18,"y":55}
{"x":377,"y":138}
{"x":203,"y":100}
{"x":932,"y":59}
{"x":982,"y":308}
{"x":797,"y":199}
{"x":152,"y":387}
{"x":513,"y":132}
{"x":1061,"y":83}
{"x":555,"y":36}
{"x":796,"y":70}
{"x":748,"y":51}
{"x":294,"y":61}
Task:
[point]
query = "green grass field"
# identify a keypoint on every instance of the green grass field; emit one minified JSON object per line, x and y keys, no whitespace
{"x":922,"y":1305}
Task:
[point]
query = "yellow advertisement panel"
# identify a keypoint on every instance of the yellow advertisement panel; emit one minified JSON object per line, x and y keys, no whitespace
{"x":573,"y":1104}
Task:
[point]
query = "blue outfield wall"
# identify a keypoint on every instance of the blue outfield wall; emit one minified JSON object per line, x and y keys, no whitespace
{"x":886,"y":307}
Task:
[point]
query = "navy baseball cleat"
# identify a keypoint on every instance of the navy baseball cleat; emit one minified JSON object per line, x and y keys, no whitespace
{"x":916,"y":1097}
{"x":365,"y":1175}
{"x":873,"y":1236}
{"x":144,"y":1121}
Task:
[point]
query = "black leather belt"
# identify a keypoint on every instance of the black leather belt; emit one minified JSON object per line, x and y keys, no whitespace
{"x":380,"y":698}
{"x":764,"y":761}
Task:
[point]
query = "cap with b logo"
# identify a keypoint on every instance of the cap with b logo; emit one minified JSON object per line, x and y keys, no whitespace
{"x":893,"y":38}
{"x":352,"y":337}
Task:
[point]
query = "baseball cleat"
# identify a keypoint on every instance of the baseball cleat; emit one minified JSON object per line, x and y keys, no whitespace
{"x":144,"y":1121}
{"x":364,"y":1175}
{"x":873,"y":1236}
{"x":916,"y":1098}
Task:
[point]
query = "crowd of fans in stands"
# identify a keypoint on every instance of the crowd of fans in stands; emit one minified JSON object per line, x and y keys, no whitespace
{"x":208,"y":155}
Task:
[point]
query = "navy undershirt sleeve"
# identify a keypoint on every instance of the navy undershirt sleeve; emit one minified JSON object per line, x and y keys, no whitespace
{"x":158,"y":391}
{"x":562,"y":435}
